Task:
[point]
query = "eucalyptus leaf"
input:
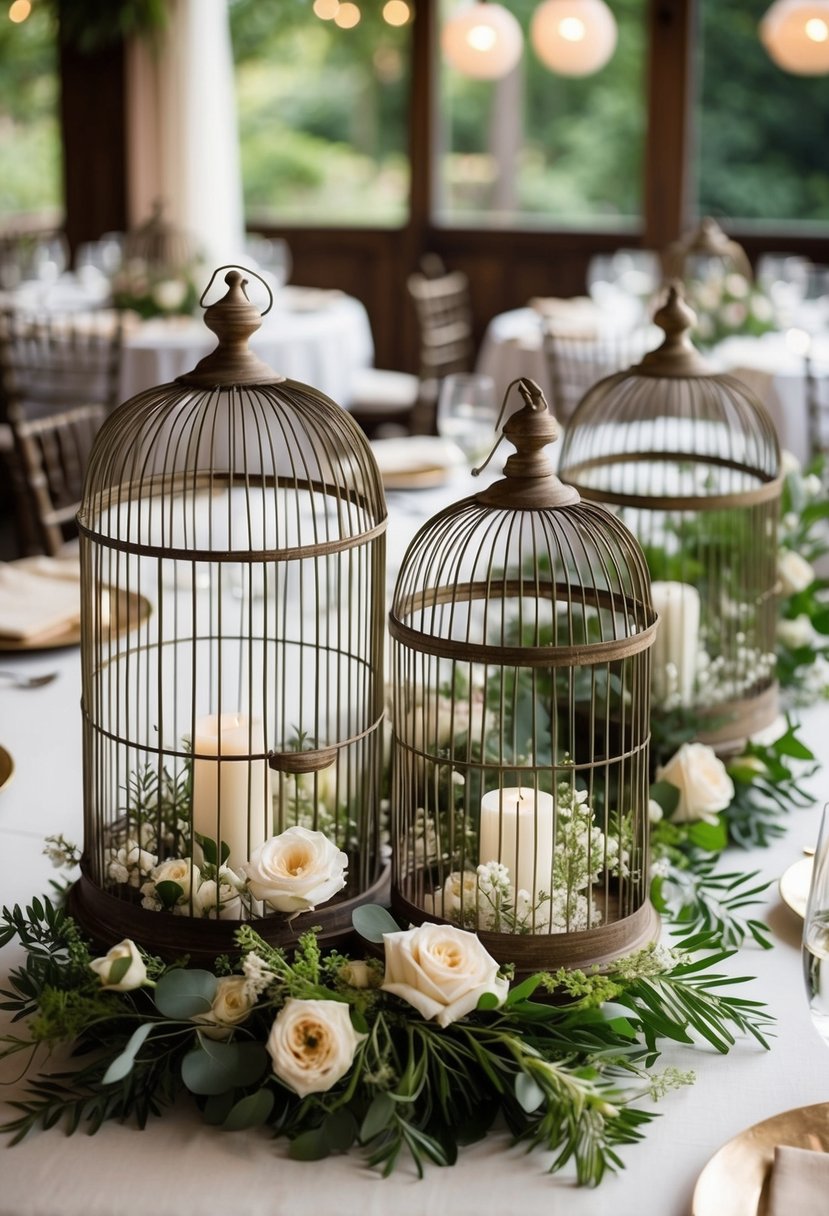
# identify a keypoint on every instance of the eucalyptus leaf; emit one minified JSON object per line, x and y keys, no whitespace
{"x":529,"y":1093}
{"x":309,"y":1146}
{"x":184,"y":993}
{"x":217,"y":1108}
{"x":371,"y":922}
{"x":214,"y":1067}
{"x":666,"y":794}
{"x":377,"y":1117}
{"x":340,"y":1130}
{"x":121,"y":1066}
{"x":250,"y":1111}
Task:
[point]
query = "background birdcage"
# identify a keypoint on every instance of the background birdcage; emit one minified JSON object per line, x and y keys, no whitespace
{"x":232,"y":537}
{"x":689,"y":460}
{"x":520,"y":627}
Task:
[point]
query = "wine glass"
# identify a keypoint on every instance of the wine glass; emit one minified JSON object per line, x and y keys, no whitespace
{"x":784,"y":278}
{"x":816,"y":934}
{"x":467,"y":413}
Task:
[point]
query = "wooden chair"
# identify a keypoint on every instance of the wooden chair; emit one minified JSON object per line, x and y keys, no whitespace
{"x":576,"y":362}
{"x":52,"y":455}
{"x":817,"y":405}
{"x":444,"y":316}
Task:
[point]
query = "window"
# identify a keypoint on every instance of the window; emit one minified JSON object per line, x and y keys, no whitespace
{"x":536,"y":149}
{"x":762,"y":131}
{"x":30,"y":148}
{"x":323,"y":114}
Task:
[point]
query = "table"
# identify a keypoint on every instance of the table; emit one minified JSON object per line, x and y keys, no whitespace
{"x":318,"y":337}
{"x":770,"y":365}
{"x":180,"y":1167}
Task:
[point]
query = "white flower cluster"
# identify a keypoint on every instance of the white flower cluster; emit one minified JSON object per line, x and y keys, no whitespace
{"x":201,"y":895}
{"x":727,"y":677}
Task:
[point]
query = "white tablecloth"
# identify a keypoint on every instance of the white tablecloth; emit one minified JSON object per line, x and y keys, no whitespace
{"x":318,"y":337}
{"x":512,"y":347}
{"x":180,"y":1167}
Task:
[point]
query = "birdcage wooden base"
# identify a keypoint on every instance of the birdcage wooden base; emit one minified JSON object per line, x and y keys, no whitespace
{"x":529,"y":953}
{"x":736,"y":721}
{"x":108,"y":919}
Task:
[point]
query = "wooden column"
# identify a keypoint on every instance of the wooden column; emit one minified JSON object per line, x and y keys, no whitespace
{"x":667,"y":205}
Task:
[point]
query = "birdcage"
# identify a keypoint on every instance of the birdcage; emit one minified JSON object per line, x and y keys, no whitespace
{"x":232,"y":544}
{"x":521,"y":627}
{"x":689,"y":460}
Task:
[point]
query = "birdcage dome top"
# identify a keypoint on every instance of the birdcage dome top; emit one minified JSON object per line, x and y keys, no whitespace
{"x":672,"y":412}
{"x":525,"y":571}
{"x":206,"y":465}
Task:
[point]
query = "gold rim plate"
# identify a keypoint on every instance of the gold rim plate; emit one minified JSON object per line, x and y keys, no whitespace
{"x":735,"y":1181}
{"x":794,"y":885}
{"x":6,"y":768}
{"x":128,"y":612}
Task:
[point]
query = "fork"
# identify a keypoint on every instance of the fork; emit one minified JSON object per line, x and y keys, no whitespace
{"x":18,"y":681}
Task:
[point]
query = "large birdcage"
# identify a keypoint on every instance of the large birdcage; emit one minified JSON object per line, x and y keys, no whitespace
{"x":232,"y":543}
{"x":689,"y":460}
{"x":521,"y":628}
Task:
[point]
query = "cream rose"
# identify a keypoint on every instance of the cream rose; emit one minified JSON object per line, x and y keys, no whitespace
{"x":232,"y":1003}
{"x":705,"y":787}
{"x":135,"y":975}
{"x":795,"y":633}
{"x":441,"y":970}
{"x":220,"y":899}
{"x":794,"y":572}
{"x":180,"y":870}
{"x":359,"y":974}
{"x":312,"y":1044}
{"x":296,"y":870}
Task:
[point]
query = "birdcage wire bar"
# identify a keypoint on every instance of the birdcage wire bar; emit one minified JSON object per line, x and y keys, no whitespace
{"x":520,"y":674}
{"x":689,"y":460}
{"x":232,"y":547}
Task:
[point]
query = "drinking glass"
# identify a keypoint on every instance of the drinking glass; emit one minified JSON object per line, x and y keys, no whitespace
{"x":467,"y":412}
{"x":816,"y":934}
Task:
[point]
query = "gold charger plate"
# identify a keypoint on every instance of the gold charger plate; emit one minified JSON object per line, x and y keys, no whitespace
{"x":6,"y":767}
{"x":128,"y":610}
{"x":794,"y":885}
{"x":735,"y":1180}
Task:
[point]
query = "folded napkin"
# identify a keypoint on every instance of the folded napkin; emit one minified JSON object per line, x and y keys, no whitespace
{"x":39,"y":598}
{"x":413,"y":452}
{"x":578,"y":316}
{"x":799,"y":1184}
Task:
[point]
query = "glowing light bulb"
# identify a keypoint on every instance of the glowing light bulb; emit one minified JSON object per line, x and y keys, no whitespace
{"x":19,"y":10}
{"x":482,"y":40}
{"x":396,"y":12}
{"x":816,"y":29}
{"x":795,"y":34}
{"x":572,"y":29}
{"x":347,"y":16}
{"x":326,"y":10}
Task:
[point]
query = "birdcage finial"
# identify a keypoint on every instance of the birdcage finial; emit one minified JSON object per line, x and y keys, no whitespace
{"x":233,"y":319}
{"x":529,"y":478}
{"x":677,"y":356}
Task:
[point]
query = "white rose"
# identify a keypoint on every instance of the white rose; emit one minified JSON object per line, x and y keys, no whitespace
{"x":705,"y":787}
{"x":169,"y":294}
{"x":796,"y":633}
{"x":232,"y":1003}
{"x":296,"y":870}
{"x":654,"y":811}
{"x":788,"y":463}
{"x":359,"y":974}
{"x":312,"y":1044}
{"x":441,"y":970}
{"x":134,"y":976}
{"x":220,"y":899}
{"x":794,"y":572}
{"x":180,"y":870}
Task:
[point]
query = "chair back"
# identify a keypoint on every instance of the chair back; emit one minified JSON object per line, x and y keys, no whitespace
{"x":444,"y":316}
{"x":577,"y":361}
{"x":52,"y":455}
{"x":51,"y":361}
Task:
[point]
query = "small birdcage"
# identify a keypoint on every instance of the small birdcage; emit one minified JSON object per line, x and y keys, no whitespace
{"x":704,"y":252}
{"x":232,"y":538}
{"x":521,"y":628}
{"x":689,"y":460}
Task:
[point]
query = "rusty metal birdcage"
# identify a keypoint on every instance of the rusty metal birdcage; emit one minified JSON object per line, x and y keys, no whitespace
{"x":232,"y":536}
{"x":521,"y":628}
{"x":690,"y":462}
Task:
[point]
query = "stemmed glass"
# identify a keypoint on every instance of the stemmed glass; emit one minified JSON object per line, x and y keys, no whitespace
{"x":467,"y":412}
{"x":816,"y":934}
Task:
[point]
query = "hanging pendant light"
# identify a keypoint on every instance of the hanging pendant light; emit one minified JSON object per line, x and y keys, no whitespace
{"x":482,"y":40}
{"x":573,"y":37}
{"x":796,"y":35}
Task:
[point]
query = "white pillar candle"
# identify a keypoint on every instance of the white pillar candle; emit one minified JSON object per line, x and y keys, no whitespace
{"x":516,"y":829}
{"x":231,"y":796}
{"x":675,"y":652}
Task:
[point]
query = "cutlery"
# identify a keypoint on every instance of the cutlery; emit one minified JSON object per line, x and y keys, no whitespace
{"x":18,"y":681}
